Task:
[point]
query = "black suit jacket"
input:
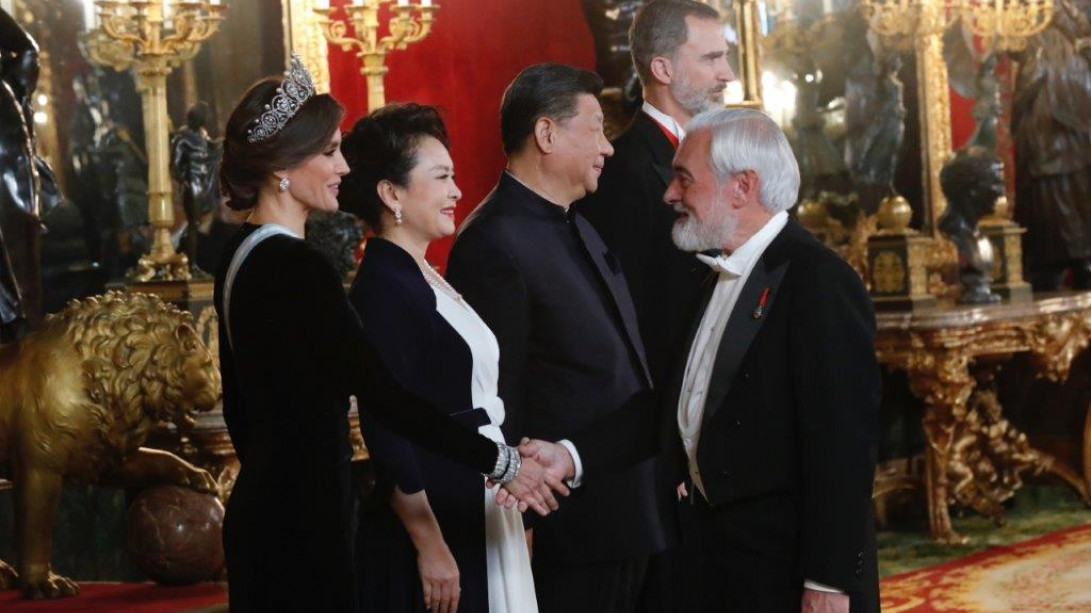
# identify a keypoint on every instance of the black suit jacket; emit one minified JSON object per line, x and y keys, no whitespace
{"x":629,"y":213}
{"x":787,"y":448}
{"x":570,"y":354}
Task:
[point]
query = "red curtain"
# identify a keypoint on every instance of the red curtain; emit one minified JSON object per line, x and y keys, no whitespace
{"x":475,"y":49}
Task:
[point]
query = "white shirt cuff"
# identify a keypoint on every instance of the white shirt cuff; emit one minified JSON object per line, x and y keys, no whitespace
{"x":818,"y":587}
{"x":576,"y":480}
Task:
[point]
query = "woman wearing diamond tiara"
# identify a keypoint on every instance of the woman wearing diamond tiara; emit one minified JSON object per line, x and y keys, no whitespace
{"x":429,"y":538}
{"x":292,"y":351}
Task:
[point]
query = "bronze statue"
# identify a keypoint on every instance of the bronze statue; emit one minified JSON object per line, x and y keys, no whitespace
{"x":972,"y":181}
{"x":80,"y":395}
{"x":122,"y":175}
{"x":987,"y":106}
{"x":83,"y":180}
{"x":192,"y":164}
{"x":28,"y":188}
{"x":336,"y":235}
{"x":1051,"y":128}
{"x":18,"y":72}
{"x":875,"y":122}
{"x":11,"y":302}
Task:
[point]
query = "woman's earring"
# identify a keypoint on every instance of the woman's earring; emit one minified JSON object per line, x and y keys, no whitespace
{"x":283,"y":185}
{"x":397,"y":217}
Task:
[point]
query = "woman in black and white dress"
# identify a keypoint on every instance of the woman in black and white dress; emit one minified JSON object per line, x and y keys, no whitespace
{"x":291,"y":352}
{"x":431,"y":538}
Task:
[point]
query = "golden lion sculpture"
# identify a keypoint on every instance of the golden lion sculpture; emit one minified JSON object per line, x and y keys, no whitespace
{"x":78,"y":397}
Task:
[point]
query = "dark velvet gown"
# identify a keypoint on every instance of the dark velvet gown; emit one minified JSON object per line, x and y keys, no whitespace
{"x":398,"y":311}
{"x":298,"y":353}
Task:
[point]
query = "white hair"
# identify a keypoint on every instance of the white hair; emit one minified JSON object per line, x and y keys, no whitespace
{"x":745,"y":139}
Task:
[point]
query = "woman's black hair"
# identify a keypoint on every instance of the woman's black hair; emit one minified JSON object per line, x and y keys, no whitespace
{"x":383,"y":146}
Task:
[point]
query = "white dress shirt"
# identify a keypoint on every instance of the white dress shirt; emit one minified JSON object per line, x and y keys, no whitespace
{"x":734,"y":270}
{"x":664,"y":120}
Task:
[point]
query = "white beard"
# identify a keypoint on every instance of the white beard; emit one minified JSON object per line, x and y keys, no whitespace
{"x":690,"y":234}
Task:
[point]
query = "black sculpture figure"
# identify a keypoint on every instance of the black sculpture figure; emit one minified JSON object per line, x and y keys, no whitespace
{"x":193,"y":157}
{"x":972,"y":181}
{"x":875,"y":122}
{"x":1051,"y":128}
{"x":83,"y":178}
{"x":122,"y":176}
{"x":336,"y":235}
{"x":987,"y":107}
{"x":27,"y":185}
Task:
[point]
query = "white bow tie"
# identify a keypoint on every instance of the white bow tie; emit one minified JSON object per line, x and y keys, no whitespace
{"x":721,"y":264}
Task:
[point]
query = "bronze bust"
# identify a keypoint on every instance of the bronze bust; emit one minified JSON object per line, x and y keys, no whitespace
{"x":972,"y":181}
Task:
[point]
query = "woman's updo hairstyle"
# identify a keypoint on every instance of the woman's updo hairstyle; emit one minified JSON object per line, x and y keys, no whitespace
{"x":383,"y":146}
{"x":245,"y":165}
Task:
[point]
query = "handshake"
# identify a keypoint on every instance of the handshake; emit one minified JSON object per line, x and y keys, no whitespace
{"x":544,"y":470}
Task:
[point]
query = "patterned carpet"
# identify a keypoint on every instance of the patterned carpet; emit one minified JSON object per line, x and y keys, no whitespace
{"x":125,"y":598}
{"x":1048,"y":574}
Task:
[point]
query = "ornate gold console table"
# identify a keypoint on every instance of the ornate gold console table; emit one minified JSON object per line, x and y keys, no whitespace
{"x":951,"y":353}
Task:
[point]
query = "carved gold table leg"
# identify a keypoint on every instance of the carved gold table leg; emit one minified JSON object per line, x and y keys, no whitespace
{"x":943,"y":381}
{"x":1050,"y":464}
{"x":990,"y":456}
{"x":1055,"y":341}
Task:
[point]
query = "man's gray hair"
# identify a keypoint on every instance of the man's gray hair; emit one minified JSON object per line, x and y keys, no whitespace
{"x":660,"y":28}
{"x":745,"y":139}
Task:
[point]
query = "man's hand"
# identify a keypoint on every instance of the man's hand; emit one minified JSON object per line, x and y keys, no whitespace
{"x":554,"y":457}
{"x":680,"y":491}
{"x":815,"y":601}
{"x":533,"y":487}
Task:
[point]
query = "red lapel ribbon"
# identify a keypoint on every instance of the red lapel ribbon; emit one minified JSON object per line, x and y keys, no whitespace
{"x":759,"y":312}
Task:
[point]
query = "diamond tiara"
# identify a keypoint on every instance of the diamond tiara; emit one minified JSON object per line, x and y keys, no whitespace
{"x":296,"y":88}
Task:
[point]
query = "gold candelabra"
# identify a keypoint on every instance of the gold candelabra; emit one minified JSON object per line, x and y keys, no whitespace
{"x":919,"y":25}
{"x":1005,"y":25}
{"x":409,"y":23}
{"x":153,"y":37}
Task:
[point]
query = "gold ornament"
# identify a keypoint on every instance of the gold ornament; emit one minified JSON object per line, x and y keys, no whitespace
{"x":80,"y":395}
{"x":813,"y":215}
{"x":407,"y":24}
{"x":888,"y":272}
{"x":895,"y":215}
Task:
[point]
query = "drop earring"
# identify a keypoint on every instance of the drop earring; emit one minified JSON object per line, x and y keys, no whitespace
{"x":283,"y":185}
{"x":397,"y":217}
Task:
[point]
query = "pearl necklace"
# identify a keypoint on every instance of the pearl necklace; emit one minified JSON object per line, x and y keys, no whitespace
{"x":435,"y":280}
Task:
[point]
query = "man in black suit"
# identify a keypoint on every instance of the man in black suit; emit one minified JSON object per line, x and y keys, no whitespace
{"x":680,"y":56}
{"x":570,"y":352}
{"x":775,"y":422}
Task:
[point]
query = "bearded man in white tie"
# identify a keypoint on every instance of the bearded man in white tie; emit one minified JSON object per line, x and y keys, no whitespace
{"x":776,"y":402}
